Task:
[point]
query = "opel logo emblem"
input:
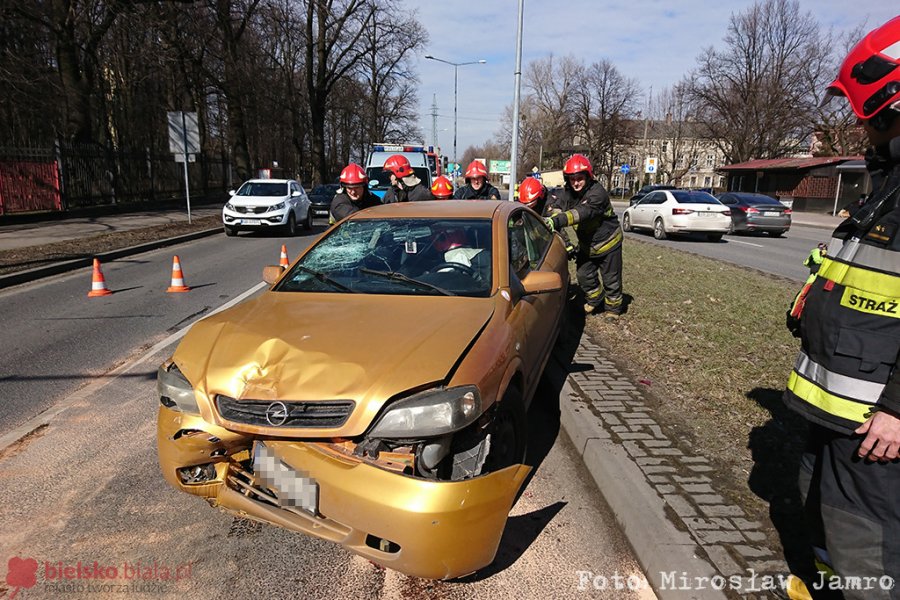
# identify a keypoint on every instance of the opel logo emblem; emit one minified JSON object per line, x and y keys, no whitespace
{"x":276,"y":414}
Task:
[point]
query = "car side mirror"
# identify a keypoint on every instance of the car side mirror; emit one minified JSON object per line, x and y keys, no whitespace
{"x":295,"y":193}
{"x":541,"y":282}
{"x":272,"y":273}
{"x":231,"y":192}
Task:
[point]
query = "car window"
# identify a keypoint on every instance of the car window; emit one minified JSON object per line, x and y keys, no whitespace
{"x":728,"y":199}
{"x":689,"y":197}
{"x":398,"y":257}
{"x":518,"y":245}
{"x":653,"y":198}
{"x":538,"y":239}
{"x":757,"y":200}
{"x":262,"y":188}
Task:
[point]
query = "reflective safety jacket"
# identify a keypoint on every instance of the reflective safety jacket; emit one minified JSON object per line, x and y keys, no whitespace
{"x":850,"y":322}
{"x":592,"y":215}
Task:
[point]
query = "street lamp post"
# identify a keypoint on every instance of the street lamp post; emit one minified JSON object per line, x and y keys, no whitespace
{"x":456,"y":67}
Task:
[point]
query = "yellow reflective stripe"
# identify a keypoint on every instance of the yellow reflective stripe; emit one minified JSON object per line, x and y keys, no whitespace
{"x":594,"y":293}
{"x":841,"y":407}
{"x":571,"y":218}
{"x":613,"y":301}
{"x":860,"y":277}
{"x":609,"y":245}
{"x":867,"y":302}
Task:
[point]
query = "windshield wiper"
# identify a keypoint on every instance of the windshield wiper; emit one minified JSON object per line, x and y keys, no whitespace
{"x":325,"y":279}
{"x":405,"y":278}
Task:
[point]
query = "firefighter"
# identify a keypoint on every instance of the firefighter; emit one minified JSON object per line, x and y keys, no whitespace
{"x":477,"y":186}
{"x":533,"y":194}
{"x":815,"y":258}
{"x":846,"y":379}
{"x":584,"y":204}
{"x":354,"y":194}
{"x":442,"y":189}
{"x":405,"y":186}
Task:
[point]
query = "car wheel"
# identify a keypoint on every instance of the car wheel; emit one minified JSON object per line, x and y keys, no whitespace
{"x":508,"y":431}
{"x":659,"y":229}
{"x":307,"y":223}
{"x":231,"y":231}
{"x":626,"y":222}
{"x":291,"y":227}
{"x":714,"y":237}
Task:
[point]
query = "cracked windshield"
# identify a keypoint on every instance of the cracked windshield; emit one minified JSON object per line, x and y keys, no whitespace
{"x":399,"y":256}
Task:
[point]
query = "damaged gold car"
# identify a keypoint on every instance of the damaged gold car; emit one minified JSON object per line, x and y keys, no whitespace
{"x":376,"y":395}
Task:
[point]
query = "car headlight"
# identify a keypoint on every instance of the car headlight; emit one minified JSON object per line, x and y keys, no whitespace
{"x":430,"y":413}
{"x":278,"y":206}
{"x":174,"y":390}
{"x":229,"y":206}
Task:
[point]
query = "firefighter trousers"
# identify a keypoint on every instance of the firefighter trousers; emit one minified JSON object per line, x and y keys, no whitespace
{"x":600,"y":277}
{"x":852,"y":509}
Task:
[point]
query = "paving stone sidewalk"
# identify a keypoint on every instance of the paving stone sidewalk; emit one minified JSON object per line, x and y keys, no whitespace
{"x":733,"y":543}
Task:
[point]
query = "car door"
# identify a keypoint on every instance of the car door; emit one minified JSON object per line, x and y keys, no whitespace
{"x":529,"y":318}
{"x":640,"y":214}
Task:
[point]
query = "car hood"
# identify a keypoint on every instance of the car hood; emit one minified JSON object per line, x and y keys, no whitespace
{"x":311,"y":346}
{"x":256,"y":200}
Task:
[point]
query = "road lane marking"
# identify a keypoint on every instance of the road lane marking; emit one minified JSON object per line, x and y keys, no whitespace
{"x":84,"y":394}
{"x":748,"y":243}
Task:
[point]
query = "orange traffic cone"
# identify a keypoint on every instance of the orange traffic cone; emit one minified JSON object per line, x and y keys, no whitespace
{"x":177,"y":278}
{"x":98,"y":284}
{"x":284,"y":262}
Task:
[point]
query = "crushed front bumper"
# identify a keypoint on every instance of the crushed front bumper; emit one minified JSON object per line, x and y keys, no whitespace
{"x":423,"y":528}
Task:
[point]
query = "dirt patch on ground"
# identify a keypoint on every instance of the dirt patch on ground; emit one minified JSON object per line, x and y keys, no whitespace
{"x":30,"y":257}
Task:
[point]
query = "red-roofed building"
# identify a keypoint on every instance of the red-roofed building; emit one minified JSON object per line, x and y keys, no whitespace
{"x":815,"y":184}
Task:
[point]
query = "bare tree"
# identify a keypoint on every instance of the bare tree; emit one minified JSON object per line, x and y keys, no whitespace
{"x":604,"y":100}
{"x":751,"y":96}
{"x":679,"y":134}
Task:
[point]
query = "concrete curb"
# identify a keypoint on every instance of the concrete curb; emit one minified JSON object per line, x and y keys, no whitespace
{"x":71,"y":265}
{"x":640,"y":511}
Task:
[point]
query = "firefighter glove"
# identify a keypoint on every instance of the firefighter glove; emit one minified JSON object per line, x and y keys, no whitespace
{"x":550,"y":223}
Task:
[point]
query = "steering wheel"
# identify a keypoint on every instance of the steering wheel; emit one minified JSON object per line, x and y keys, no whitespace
{"x":458,"y":266}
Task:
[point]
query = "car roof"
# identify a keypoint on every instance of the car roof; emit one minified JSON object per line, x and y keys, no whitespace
{"x":438,"y":209}
{"x":268,"y":180}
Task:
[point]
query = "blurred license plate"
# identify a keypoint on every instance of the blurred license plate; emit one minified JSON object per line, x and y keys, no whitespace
{"x":321,"y":213}
{"x":771,"y":213}
{"x":250,"y":221}
{"x":293,"y":487}
{"x":707,"y":214}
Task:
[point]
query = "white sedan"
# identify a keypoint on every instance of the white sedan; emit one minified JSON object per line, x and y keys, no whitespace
{"x":266,"y":203}
{"x":678,"y":211}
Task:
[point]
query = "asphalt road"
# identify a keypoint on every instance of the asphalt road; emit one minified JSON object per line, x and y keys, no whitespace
{"x":782,"y":256}
{"x":87,"y":486}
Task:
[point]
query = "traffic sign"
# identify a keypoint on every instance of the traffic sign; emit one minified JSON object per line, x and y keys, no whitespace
{"x":626,"y":168}
{"x":650,"y":165}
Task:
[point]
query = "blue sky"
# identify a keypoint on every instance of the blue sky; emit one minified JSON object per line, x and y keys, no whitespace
{"x":655,"y":41}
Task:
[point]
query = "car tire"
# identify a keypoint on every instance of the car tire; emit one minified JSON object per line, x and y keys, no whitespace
{"x":508,"y":429}
{"x":231,"y":231}
{"x":714,"y":237}
{"x":291,"y":227}
{"x":659,"y":229}
{"x":626,"y":222}
{"x":307,"y":223}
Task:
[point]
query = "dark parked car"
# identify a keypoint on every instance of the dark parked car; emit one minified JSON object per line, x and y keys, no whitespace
{"x":646,"y":190}
{"x":618,"y":192}
{"x":757,"y":212}
{"x":320,"y":199}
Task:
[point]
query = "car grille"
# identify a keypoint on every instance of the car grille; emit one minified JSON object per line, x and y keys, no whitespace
{"x":251,"y":210}
{"x":327,"y":413}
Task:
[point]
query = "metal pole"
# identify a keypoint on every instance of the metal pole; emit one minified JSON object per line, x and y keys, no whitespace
{"x":187,"y":187}
{"x":514,"y":153}
{"x":837,"y":194}
{"x":455,"y":79}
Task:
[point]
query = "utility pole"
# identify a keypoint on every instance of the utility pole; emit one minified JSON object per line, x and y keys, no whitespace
{"x":646,"y":149}
{"x":434,"y":132}
{"x":514,"y":158}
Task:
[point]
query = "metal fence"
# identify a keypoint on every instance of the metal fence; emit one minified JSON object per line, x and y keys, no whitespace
{"x":68,"y":176}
